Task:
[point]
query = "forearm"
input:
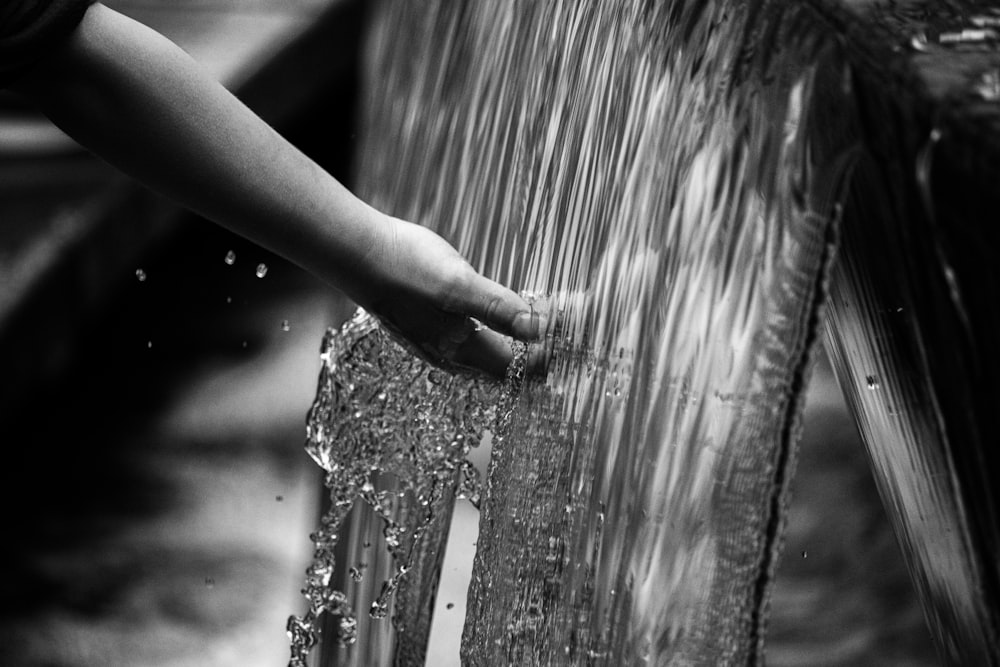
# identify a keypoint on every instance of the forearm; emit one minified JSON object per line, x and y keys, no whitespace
{"x":145,"y":106}
{"x":142,"y":104}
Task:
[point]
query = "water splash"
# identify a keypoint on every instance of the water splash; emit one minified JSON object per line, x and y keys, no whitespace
{"x":381,"y":412}
{"x":650,"y":165}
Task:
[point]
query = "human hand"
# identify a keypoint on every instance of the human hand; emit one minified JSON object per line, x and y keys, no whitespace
{"x":431,"y":300}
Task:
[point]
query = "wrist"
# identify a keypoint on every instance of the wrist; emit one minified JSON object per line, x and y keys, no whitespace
{"x":362,"y":271}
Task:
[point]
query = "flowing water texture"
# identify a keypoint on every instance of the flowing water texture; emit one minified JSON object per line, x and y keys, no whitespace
{"x":392,"y":431}
{"x":648,"y":168}
{"x":913,"y":321}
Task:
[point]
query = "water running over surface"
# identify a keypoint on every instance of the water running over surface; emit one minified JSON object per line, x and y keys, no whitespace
{"x":649,"y":167}
{"x":671,"y":176}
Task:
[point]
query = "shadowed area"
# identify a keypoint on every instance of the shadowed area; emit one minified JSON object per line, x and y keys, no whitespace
{"x":156,"y":498}
{"x":158,"y":494}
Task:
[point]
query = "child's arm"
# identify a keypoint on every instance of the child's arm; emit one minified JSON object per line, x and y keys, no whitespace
{"x":137,"y":100}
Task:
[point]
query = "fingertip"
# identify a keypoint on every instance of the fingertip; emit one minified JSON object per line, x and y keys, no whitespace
{"x":528,"y":326}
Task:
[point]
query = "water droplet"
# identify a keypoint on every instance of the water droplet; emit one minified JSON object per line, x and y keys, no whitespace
{"x":279,"y":498}
{"x":988,"y":86}
{"x":244,"y":344}
{"x":392,"y":536}
{"x":872,"y":382}
{"x":149,"y":344}
{"x":302,"y":634}
{"x":230,"y":258}
{"x":348,"y":630}
{"x":378,"y":610}
{"x":919,"y":42}
{"x":261,"y":270}
{"x":804,"y":554}
{"x":450,"y":605}
{"x":229,"y":299}
{"x":209,"y":582}
{"x":285,"y":326}
{"x":141,"y":275}
{"x":320,"y":574}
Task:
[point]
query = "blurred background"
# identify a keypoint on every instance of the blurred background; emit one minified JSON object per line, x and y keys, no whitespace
{"x":157,"y":500}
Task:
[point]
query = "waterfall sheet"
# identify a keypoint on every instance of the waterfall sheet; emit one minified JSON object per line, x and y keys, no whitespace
{"x":649,"y":169}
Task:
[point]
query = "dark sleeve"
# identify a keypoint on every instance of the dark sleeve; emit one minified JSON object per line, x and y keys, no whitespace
{"x":31,"y":28}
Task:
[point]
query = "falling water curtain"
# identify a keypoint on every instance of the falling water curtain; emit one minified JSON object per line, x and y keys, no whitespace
{"x":646,"y":169}
{"x":673,"y":181}
{"x":914,"y":310}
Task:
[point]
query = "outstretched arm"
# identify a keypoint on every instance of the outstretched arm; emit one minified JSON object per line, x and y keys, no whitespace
{"x":141,"y":103}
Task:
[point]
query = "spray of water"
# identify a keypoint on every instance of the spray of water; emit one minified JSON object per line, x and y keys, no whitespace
{"x":393,"y":432}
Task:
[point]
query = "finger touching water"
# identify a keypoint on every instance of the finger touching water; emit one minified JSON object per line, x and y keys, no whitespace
{"x":500,"y":309}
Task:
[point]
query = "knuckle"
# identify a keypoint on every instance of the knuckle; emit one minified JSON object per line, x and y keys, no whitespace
{"x":455,"y":285}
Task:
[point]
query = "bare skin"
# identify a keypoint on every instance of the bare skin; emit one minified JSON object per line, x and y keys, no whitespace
{"x":142,"y":104}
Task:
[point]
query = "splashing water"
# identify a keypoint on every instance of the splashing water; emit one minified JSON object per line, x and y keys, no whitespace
{"x":655,"y":168}
{"x":381,"y":412}
{"x":673,"y":174}
{"x":652,"y":166}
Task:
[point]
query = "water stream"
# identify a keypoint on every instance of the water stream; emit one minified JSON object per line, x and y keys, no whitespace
{"x":650,"y":169}
{"x":392,"y":432}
